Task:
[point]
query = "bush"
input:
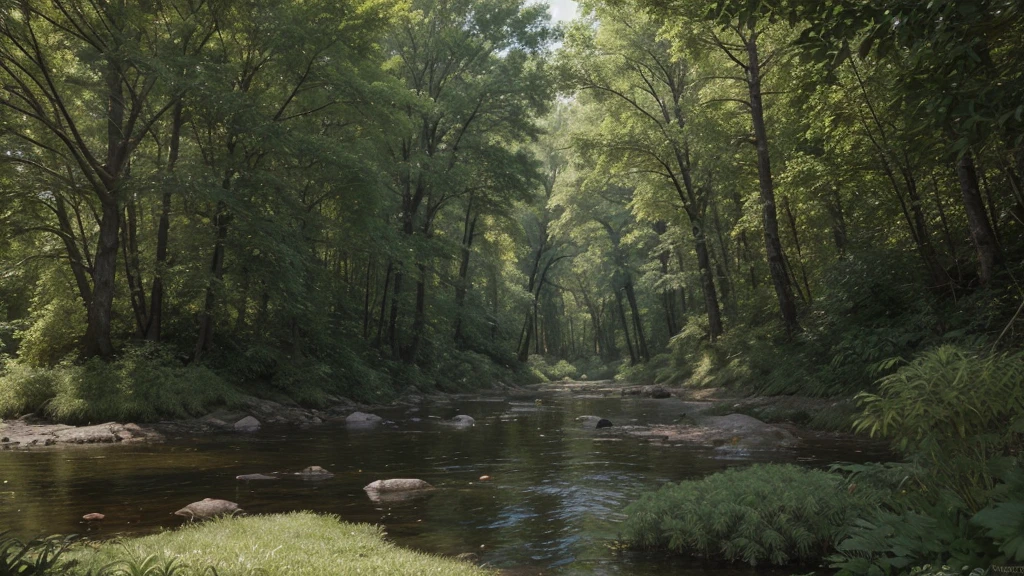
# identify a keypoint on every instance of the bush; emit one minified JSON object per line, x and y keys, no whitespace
{"x":958,"y":415}
{"x":775,"y":514}
{"x":143,"y":384}
{"x":952,"y":410}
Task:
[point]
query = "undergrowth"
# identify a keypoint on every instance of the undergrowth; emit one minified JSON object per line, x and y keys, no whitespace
{"x":765,"y":514}
{"x":143,"y":384}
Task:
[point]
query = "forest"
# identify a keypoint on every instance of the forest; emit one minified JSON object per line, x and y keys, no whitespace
{"x":314,"y":199}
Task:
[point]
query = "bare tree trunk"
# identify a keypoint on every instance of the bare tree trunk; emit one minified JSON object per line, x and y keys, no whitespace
{"x":625,"y":327}
{"x":773,"y":246}
{"x":638,"y":324}
{"x":156,"y":292}
{"x":205,"y":339}
{"x":989,"y":254}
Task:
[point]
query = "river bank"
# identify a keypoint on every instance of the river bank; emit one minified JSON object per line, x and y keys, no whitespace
{"x":709,"y":417}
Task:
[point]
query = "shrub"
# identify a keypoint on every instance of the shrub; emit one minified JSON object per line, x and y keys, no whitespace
{"x":143,"y":384}
{"x":775,"y":514}
{"x":953,"y":410}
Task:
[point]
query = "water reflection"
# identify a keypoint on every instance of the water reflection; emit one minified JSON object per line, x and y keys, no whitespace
{"x":552,"y":506}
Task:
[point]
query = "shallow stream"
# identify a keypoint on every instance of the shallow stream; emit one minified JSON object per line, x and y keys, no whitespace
{"x":553,"y":505}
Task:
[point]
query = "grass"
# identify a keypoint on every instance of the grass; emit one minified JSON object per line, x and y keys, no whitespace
{"x":294,"y":544}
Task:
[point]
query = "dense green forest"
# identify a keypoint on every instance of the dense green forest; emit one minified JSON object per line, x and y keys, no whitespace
{"x":347,"y":197}
{"x":314,"y":199}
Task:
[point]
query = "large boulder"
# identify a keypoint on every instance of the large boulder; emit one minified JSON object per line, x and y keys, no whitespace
{"x":209,"y":508}
{"x":397,"y":485}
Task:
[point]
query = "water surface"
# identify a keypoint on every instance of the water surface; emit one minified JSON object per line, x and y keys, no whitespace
{"x":553,"y":505}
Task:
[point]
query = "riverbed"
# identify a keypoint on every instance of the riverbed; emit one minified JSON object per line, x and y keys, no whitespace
{"x":552,"y":505}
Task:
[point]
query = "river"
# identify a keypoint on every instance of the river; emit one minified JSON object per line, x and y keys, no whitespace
{"x":553,"y":504}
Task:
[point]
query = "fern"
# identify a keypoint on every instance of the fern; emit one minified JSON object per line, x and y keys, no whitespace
{"x":765,"y":514}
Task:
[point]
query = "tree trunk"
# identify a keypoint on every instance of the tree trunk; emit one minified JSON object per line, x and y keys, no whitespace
{"x":461,"y":285}
{"x":638,"y":324}
{"x":989,"y":254}
{"x":97,"y":340}
{"x":156,"y":293}
{"x":707,"y":284}
{"x":205,"y":339}
{"x":773,"y":246}
{"x":79,"y":263}
{"x":625,"y":327}
{"x":796,"y":243}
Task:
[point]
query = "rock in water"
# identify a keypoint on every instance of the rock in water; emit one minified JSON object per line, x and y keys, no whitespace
{"x":209,"y":508}
{"x":315,"y":473}
{"x":397,"y":485}
{"x":603,"y":423}
{"x":659,"y":392}
{"x":360,"y":419}
{"x":255,"y":477}
{"x":93,"y":517}
{"x":463,"y":420}
{"x":247,"y":424}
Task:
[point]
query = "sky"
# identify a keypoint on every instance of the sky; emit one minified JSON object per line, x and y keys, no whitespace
{"x":562,"y":10}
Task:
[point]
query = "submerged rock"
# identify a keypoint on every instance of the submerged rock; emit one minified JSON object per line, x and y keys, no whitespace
{"x":592,"y":422}
{"x":397,"y":485}
{"x":255,"y":477}
{"x":247,"y":424}
{"x":209,"y":508}
{"x":315,"y":473}
{"x":462,"y":421}
{"x":603,"y":423}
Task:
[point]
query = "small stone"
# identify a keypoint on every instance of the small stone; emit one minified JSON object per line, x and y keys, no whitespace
{"x":5,"y":439}
{"x":247,"y":424}
{"x":93,"y":517}
{"x":485,"y":478}
{"x":604,"y":423}
{"x":50,"y":442}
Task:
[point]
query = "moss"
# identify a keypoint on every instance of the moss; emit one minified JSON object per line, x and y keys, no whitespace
{"x":294,"y":544}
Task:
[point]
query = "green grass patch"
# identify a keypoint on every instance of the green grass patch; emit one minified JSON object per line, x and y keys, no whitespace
{"x":766,"y":514}
{"x":294,"y":544}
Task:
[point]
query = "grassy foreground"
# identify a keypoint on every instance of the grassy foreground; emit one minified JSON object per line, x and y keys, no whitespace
{"x":294,"y":544}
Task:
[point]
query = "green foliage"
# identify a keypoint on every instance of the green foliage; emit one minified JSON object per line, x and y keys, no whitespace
{"x":954,"y":410}
{"x":143,"y":384}
{"x":921,"y":524}
{"x":39,"y":557}
{"x":560,"y":370}
{"x":765,"y":514}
